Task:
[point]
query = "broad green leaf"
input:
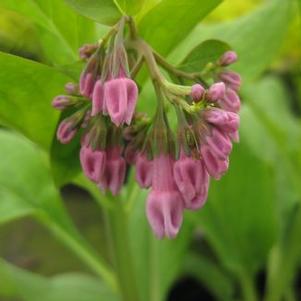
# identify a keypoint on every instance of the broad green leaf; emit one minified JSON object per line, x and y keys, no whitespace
{"x":102,"y":11}
{"x":17,"y":35}
{"x":130,"y":7}
{"x":240,"y":207}
{"x":169,"y":22}
{"x":207,"y":52}
{"x":61,"y":31}
{"x":158,"y":262}
{"x":256,"y":37}
{"x":28,"y":286}
{"x":26,"y":91}
{"x":26,"y":187}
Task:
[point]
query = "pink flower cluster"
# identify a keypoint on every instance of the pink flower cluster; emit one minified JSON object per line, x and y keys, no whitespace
{"x":183,"y":184}
{"x":177,"y":173}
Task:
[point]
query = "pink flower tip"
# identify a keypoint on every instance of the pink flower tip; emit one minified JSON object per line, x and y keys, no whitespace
{"x":197,"y":92}
{"x":92,"y":162}
{"x":228,"y":58}
{"x":216,"y":91}
{"x":165,"y":213}
{"x":66,"y":131}
{"x":61,"y":102}
{"x":120,"y":99}
{"x":144,"y":171}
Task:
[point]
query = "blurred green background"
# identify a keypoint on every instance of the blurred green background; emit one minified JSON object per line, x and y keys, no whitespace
{"x":246,"y":242}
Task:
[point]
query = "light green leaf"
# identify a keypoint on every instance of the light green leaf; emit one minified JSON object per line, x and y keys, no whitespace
{"x":26,"y":91}
{"x":102,"y":11}
{"x":130,"y":7}
{"x":207,"y":52}
{"x":61,"y":31}
{"x":26,"y":187}
{"x":241,"y":206}
{"x":169,"y":22}
{"x":256,"y":37}
{"x":28,"y":286}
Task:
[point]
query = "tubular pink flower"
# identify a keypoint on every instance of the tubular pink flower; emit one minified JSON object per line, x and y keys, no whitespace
{"x":86,"y":84}
{"x":224,"y":120}
{"x":215,"y":167}
{"x":144,"y":171}
{"x":231,"y":79}
{"x":92,"y":162}
{"x":230,"y":101}
{"x":114,"y":173}
{"x":219,"y":143}
{"x":98,"y":98}
{"x":192,"y":180}
{"x":216,"y":91}
{"x":66,"y":131}
{"x":164,"y":203}
{"x":120,"y":99}
{"x":61,"y":102}
{"x":228,"y":58}
{"x":197,"y":92}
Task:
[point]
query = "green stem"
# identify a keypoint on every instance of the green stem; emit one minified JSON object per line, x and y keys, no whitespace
{"x":120,"y":242}
{"x":284,"y":259}
{"x":84,"y":252}
{"x":248,"y":289}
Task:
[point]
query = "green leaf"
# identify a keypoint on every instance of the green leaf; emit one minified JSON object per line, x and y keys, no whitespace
{"x":28,"y":286}
{"x":61,"y":31}
{"x":26,"y":91}
{"x":256,"y":37}
{"x":241,"y":206}
{"x":26,"y":187}
{"x":160,"y":26}
{"x":102,"y":11}
{"x":207,"y":52}
{"x":130,"y":7}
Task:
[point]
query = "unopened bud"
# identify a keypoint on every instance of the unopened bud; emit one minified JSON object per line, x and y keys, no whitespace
{"x":72,"y":88}
{"x":228,"y":58}
{"x":197,"y":92}
{"x":61,"y":102}
{"x":87,"y":50}
{"x":216,"y":91}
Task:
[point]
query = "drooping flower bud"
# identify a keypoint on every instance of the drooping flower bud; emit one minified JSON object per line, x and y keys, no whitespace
{"x":98,"y":99}
{"x":72,"y":88}
{"x":61,"y":102}
{"x":144,"y":171}
{"x":164,"y":203}
{"x":66,"y":131}
{"x":215,"y":166}
{"x":192,"y":180}
{"x":228,"y":58}
{"x":114,"y":173}
{"x":216,"y":91}
{"x":120,"y":99}
{"x":197,"y":92}
{"x":224,"y":120}
{"x":219,"y":143}
{"x":92,"y":162}
{"x":87,"y":50}
{"x":230,"y":101}
{"x":231,"y":79}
